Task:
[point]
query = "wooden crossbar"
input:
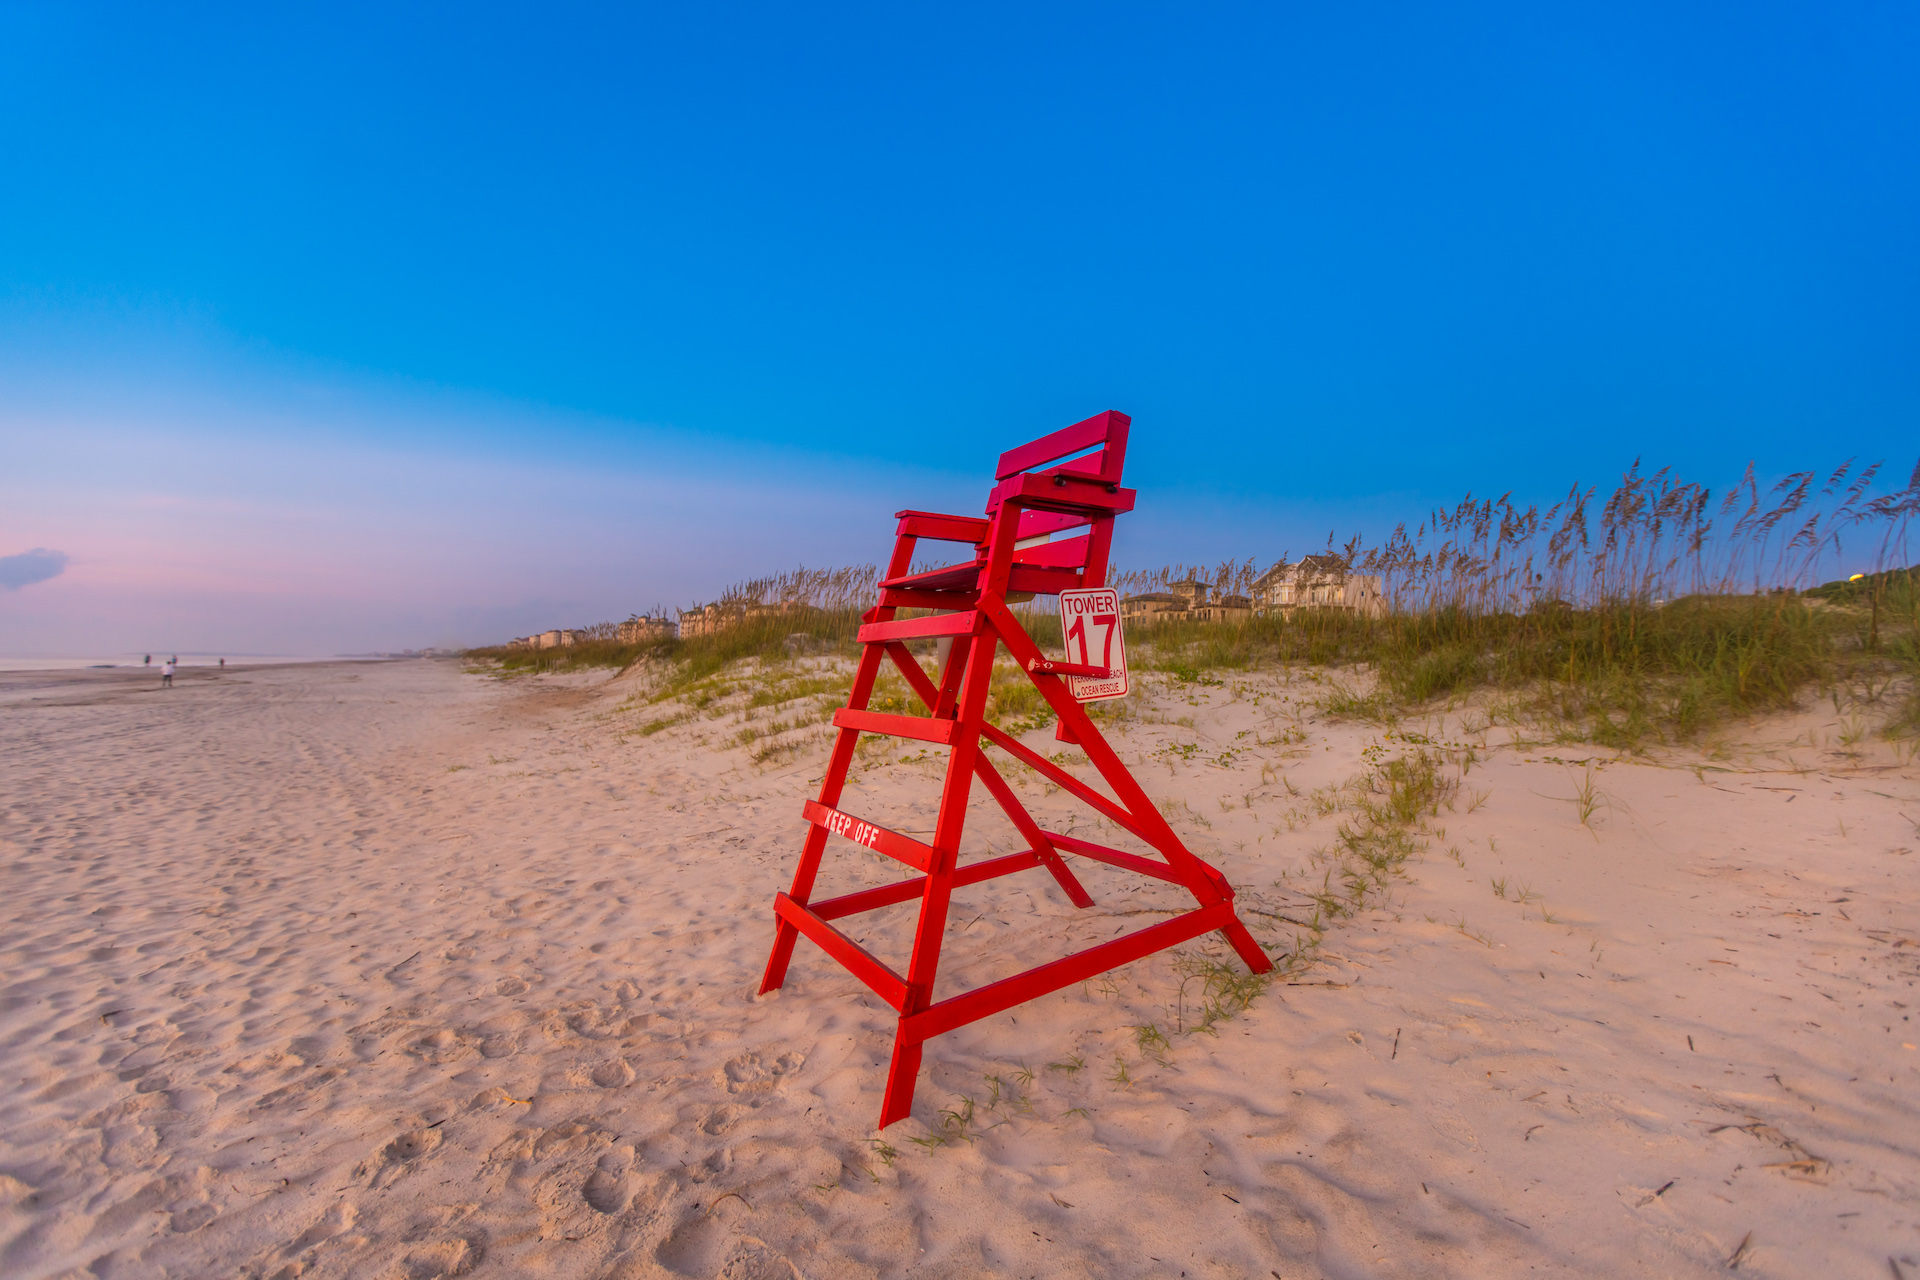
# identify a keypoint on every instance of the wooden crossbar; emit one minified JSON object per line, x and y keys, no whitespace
{"x":886,"y":895}
{"x":892,"y":843}
{"x":940,"y":624}
{"x":856,"y":959}
{"x":1062,"y":779}
{"x":929,"y":586}
{"x":909,"y":598}
{"x":919,"y":728}
{"x":958,"y":1011}
{"x":1115,"y":857}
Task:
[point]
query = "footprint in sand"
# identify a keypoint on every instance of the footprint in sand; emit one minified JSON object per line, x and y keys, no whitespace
{"x":499,"y":1037}
{"x":439,"y":1046}
{"x":334,"y":1221}
{"x":614,"y":1073}
{"x":695,"y":1248}
{"x":595,"y":1023}
{"x":750,"y":1262}
{"x":192,"y":1218}
{"x":454,"y":1257}
{"x":749,"y":1073}
{"x":183,"y":1198}
{"x":605,"y":1192}
{"x":396,"y":1158}
{"x":414,"y":1142}
{"x":721,"y":1119}
{"x":312,"y":1048}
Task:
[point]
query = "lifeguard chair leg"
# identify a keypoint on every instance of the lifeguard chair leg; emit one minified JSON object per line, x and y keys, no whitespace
{"x":784,"y":934}
{"x":924,"y":965}
{"x":1245,"y":947}
{"x":903,"y":1072}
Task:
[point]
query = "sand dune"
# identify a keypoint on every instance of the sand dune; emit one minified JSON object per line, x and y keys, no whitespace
{"x":394,"y":971}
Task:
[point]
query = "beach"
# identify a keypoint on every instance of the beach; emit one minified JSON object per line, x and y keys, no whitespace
{"x":396,"y":969}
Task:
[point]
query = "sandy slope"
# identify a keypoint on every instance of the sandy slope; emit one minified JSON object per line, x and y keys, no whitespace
{"x":394,"y":971}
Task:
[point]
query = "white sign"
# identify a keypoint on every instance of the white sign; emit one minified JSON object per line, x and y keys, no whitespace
{"x":1090,"y":621}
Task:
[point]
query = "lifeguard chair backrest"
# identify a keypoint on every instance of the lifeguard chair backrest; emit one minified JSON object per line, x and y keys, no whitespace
{"x":1106,"y":431}
{"x":1095,"y":449}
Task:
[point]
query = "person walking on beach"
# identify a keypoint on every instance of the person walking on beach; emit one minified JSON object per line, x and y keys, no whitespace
{"x":166,"y":674}
{"x":147,"y":661}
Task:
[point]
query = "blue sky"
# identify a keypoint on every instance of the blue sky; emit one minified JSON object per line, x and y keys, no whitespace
{"x":352,"y":328}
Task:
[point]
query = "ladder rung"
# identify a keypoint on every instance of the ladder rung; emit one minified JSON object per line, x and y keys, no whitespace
{"x":920,"y":728}
{"x":853,"y":957}
{"x":892,"y":843}
{"x":939,"y":624}
{"x":885,"y":895}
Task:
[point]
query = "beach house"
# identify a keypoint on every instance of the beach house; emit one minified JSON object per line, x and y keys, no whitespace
{"x":708,"y":619}
{"x":638,"y":628}
{"x":1188,"y":598}
{"x":1316,"y":582}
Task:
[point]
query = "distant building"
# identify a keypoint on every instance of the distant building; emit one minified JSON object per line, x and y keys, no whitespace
{"x":708,"y":619}
{"x":1191,"y":590}
{"x":1224,"y":609}
{"x":637,"y":628}
{"x":1316,"y":582}
{"x":545,"y":640}
{"x":1190,"y":598}
{"x":1152,"y":604}
{"x":631,"y":631}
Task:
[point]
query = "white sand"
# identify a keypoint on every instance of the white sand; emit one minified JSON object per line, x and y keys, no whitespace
{"x":394,"y":971}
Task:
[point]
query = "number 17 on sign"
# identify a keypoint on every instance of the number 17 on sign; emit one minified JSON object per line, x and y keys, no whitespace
{"x":1090,"y":621}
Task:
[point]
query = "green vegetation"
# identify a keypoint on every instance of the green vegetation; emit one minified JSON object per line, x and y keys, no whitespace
{"x":767,"y":636}
{"x":1648,"y":627}
{"x":1618,"y":674}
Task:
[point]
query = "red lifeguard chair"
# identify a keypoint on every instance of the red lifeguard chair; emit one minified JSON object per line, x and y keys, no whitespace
{"x":971,"y":598}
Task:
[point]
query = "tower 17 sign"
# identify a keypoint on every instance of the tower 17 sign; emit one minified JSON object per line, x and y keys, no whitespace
{"x":1090,"y":621}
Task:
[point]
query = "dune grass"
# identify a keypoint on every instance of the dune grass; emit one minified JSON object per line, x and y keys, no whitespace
{"x":1648,"y":617}
{"x":770,"y":637}
{"x":1619,"y":674}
